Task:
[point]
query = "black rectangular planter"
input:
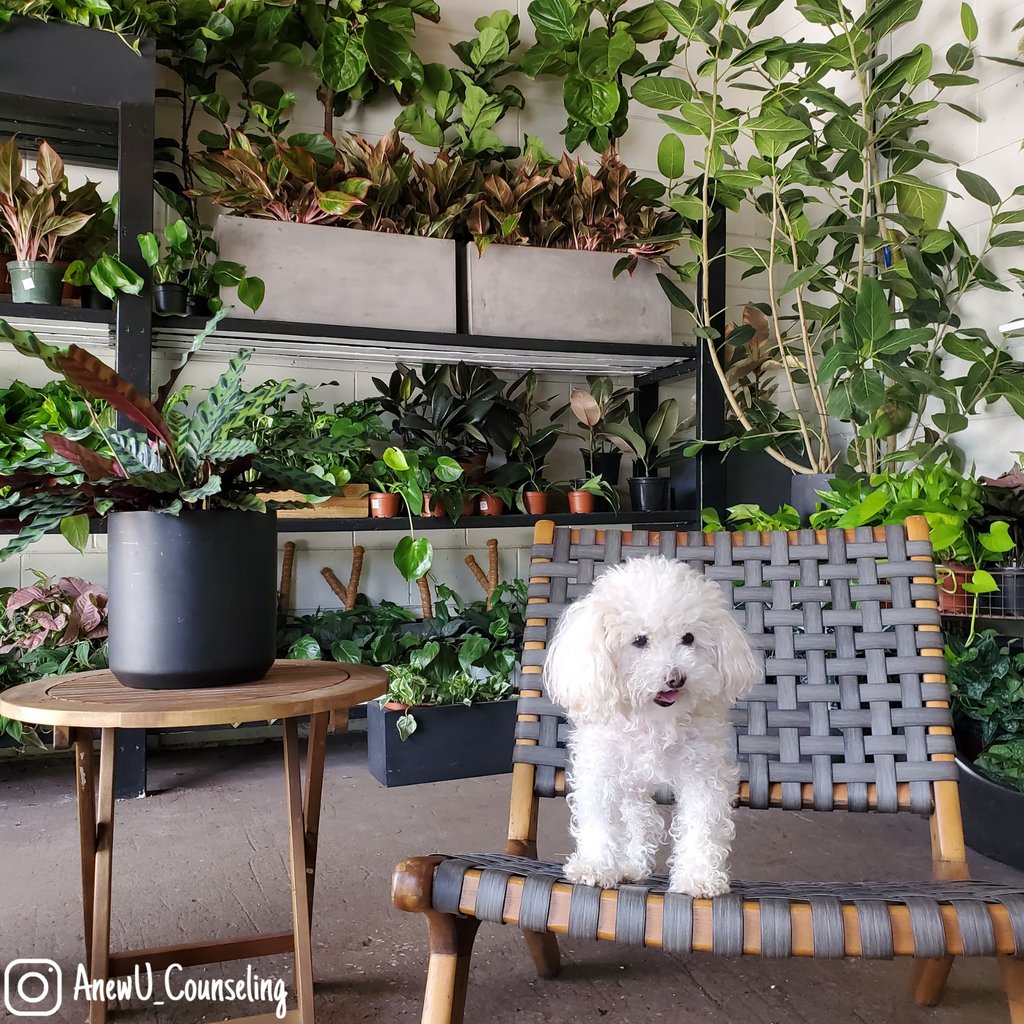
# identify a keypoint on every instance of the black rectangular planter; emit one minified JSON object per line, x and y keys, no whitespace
{"x":460,"y":741}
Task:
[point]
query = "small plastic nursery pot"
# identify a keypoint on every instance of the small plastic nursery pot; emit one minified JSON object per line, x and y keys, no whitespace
{"x":606,"y":465}
{"x":33,"y":281}
{"x":581,"y":502}
{"x":649,"y":493}
{"x":384,"y":506}
{"x":197,"y":305}
{"x":93,"y":298}
{"x":170,"y":299}
{"x":536,"y":502}
{"x":491,"y":505}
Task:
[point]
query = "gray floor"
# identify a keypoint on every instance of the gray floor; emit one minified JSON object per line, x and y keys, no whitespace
{"x":204,"y":857}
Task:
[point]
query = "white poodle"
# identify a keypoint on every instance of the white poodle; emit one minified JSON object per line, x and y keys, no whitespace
{"x":646,"y":667}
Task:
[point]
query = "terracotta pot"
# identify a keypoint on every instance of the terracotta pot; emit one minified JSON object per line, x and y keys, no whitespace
{"x":393,"y":705}
{"x":473,"y":468}
{"x":536,"y":502}
{"x":438,"y":509}
{"x":70,"y":293}
{"x":469,"y":507}
{"x":581,"y":502}
{"x":384,"y":506}
{"x":491,"y":505}
{"x":953,"y":599}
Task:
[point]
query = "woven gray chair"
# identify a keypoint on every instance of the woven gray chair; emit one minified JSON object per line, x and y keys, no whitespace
{"x":853,"y":714}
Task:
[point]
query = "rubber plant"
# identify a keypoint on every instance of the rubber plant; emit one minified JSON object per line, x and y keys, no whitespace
{"x":652,"y":444}
{"x":864,"y":270}
{"x":170,"y":460}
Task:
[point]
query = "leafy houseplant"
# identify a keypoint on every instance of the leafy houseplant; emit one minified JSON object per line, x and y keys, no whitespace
{"x":866,"y":278}
{"x":37,"y":218}
{"x":595,"y":407}
{"x":51,"y":627}
{"x":186,"y":544}
{"x":751,"y":518}
{"x":651,"y":445}
{"x":583,"y":494}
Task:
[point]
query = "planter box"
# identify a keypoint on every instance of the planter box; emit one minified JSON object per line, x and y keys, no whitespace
{"x":993,"y":817}
{"x":352,"y":503}
{"x":331,"y":275}
{"x":519,"y":291}
{"x":456,"y":742}
{"x":1008,"y":601}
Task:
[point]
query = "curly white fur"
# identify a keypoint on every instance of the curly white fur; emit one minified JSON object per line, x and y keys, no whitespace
{"x":646,"y":667}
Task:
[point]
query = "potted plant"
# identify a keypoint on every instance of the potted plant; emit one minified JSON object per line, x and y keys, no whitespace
{"x":534,"y":496}
{"x":1003,"y":497}
{"x":36,"y":218}
{"x":548,"y":228}
{"x":283,"y":195}
{"x":407,"y":476}
{"x":450,"y":709}
{"x":99,"y":283}
{"x":651,"y":446}
{"x":595,"y":407}
{"x":169,"y":266}
{"x":192,"y":559}
{"x":986,"y":682}
{"x":492,"y":499}
{"x":583,"y":495}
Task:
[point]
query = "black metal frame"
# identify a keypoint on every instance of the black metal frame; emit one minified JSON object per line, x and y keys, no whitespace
{"x":91,"y":95}
{"x":105,"y":117}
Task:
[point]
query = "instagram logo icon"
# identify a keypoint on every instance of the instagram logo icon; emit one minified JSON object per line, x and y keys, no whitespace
{"x":32,"y":988}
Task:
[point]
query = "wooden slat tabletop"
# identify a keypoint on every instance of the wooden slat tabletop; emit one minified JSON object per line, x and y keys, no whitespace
{"x":96,"y":700}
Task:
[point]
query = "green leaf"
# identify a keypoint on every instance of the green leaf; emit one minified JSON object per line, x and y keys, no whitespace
{"x":799,"y":278}
{"x":150,"y":248}
{"x":421,"y":125}
{"x":690,"y":207}
{"x":447,"y":469}
{"x":662,"y":92}
{"x":936,"y":241}
{"x":872,"y":316}
{"x":671,"y":157}
{"x":489,"y":47}
{"x":676,"y":17}
{"x":472,"y":650}
{"x":75,"y":530}
{"x":997,"y":540}
{"x":601,"y":55}
{"x":413,"y":557}
{"x":968,"y":22}
{"x":978,"y":187}
{"x":591,"y":103}
{"x":395,"y":459}
{"x":982,"y":582}
{"x":774,"y":133}
{"x":341,"y":58}
{"x":405,"y":725}
{"x":555,"y":19}
{"x":916,"y":199}
{"x":388,"y":53}
{"x":251,"y":291}
{"x":306,"y":648}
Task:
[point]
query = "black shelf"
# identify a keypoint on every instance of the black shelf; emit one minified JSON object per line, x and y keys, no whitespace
{"x":640,"y":520}
{"x":30,"y":313}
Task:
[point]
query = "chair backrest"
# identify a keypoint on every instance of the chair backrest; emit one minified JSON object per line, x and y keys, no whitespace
{"x":853,"y":711}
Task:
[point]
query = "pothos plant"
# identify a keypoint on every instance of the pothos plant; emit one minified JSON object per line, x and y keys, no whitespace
{"x":594,"y":47}
{"x":864,"y":272}
{"x":172,"y":460}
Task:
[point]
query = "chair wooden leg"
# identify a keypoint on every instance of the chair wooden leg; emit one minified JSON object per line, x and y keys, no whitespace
{"x":451,"y":948}
{"x":99,"y":947}
{"x":543,"y":947}
{"x":930,"y":978}
{"x":1012,"y":971}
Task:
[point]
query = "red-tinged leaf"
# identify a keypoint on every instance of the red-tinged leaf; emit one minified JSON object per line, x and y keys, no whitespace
{"x":49,"y":166}
{"x":100,"y":381}
{"x":96,"y":467}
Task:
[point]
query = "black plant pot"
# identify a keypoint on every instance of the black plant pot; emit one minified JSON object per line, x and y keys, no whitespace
{"x":607,"y":465}
{"x":649,"y":493}
{"x":1008,"y":601}
{"x":93,"y":298}
{"x":197,"y":305}
{"x":804,"y":497}
{"x":193,"y":598}
{"x":170,"y":299}
{"x":454,"y":742}
{"x":993,"y":817}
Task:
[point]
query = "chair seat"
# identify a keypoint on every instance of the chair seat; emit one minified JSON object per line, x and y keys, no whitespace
{"x":875,"y":920}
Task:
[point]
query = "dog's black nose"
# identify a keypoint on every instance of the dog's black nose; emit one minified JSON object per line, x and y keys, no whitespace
{"x":676,"y":682}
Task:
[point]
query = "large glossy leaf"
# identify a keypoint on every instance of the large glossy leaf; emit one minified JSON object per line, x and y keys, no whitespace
{"x":75,"y":530}
{"x":413,"y":557}
{"x":389,"y":54}
{"x":49,"y":166}
{"x":341,"y":58}
{"x":555,"y":19}
{"x":671,"y":157}
{"x":662,"y":92}
{"x":872,"y":316}
{"x":601,"y":55}
{"x":591,"y":103}
{"x":10,"y":168}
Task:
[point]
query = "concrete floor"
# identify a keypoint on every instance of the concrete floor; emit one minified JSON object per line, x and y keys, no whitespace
{"x":204,"y":857}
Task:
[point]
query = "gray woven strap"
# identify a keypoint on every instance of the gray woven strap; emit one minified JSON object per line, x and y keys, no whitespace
{"x":631,"y":915}
{"x":873,"y":901}
{"x":834,"y":621}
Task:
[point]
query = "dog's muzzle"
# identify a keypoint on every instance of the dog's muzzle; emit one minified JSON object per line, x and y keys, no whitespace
{"x":666,"y":698}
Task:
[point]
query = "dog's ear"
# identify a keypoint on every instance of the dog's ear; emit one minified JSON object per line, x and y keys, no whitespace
{"x":579,"y":672}
{"x":737,"y":665}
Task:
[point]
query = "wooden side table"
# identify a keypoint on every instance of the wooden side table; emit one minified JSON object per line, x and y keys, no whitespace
{"x":96,"y":700}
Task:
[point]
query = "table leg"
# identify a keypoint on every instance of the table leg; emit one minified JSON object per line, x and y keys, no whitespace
{"x":300,"y":874}
{"x":100,"y":946}
{"x":85,"y":790}
{"x":316,"y":753}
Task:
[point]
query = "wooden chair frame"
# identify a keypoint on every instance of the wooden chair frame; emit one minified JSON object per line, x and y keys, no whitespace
{"x":451,"y":935}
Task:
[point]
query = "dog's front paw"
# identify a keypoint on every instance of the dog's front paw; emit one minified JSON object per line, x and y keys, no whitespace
{"x":701,"y":887}
{"x":584,"y":872}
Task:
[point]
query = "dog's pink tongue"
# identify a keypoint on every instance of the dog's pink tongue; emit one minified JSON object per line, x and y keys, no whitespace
{"x":667,"y":697}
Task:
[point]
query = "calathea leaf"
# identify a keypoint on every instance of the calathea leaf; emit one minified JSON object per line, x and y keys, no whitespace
{"x":206,"y":490}
{"x":96,"y":466}
{"x":220,"y":406}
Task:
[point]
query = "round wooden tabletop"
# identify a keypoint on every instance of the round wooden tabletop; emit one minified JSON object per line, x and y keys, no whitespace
{"x":96,"y":700}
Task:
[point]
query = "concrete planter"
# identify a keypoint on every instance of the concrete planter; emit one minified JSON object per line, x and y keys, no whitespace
{"x":330,"y":275}
{"x":518,"y":291}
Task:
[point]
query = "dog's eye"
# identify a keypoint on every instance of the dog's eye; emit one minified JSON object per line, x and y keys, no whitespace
{"x":687,"y":639}
{"x":640,"y":641}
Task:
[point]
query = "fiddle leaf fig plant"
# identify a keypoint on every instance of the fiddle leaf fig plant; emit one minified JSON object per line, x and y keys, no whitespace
{"x":862,"y":261}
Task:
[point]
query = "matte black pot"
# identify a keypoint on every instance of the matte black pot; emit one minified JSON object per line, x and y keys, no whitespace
{"x":197,"y":305}
{"x":804,"y":497}
{"x":193,"y":598}
{"x":649,"y":493}
{"x":170,"y":299}
{"x":607,"y":465}
{"x":993,"y":817}
{"x":93,"y":298}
